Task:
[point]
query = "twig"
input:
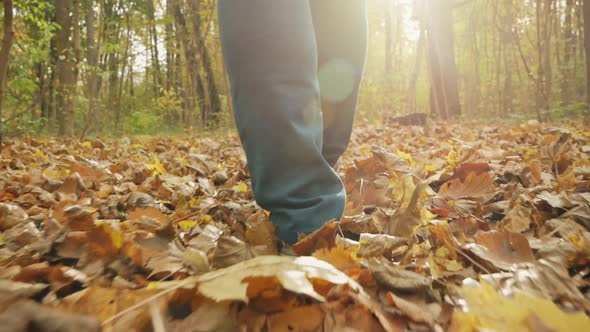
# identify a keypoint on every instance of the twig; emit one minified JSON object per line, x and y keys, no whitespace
{"x":146,"y":301}
{"x":190,"y":215}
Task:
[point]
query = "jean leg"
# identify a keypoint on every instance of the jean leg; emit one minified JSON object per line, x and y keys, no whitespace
{"x":341,"y":33}
{"x":271,"y":56}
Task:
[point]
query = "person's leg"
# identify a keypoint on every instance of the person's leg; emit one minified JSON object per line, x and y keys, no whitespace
{"x":271,"y":56}
{"x":341,"y":33}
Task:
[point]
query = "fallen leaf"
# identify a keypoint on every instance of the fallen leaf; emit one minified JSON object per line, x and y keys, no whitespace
{"x":11,"y":215}
{"x":372,"y":245}
{"x":502,"y":249}
{"x":24,"y":316}
{"x":294,"y":274}
{"x":208,"y":317}
{"x":511,"y":313}
{"x":104,"y":303}
{"x":404,"y":221}
{"x":324,"y":237}
{"x":518,"y":219}
{"x":305,"y":318}
{"x":413,"y":311}
{"x":474,"y":186}
{"x":462,"y":171}
{"x":395,"y":278}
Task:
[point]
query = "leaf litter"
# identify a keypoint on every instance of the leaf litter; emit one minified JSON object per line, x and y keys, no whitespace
{"x":446,"y":228}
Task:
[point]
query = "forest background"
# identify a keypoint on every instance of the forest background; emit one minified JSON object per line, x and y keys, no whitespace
{"x":119,"y":67}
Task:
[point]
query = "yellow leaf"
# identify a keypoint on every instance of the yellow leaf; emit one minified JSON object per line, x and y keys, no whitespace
{"x":194,"y":202}
{"x":453,"y":266}
{"x":156,"y":167}
{"x":56,"y":174}
{"x":115,"y":234}
{"x":240,"y":187}
{"x":426,"y":215}
{"x":453,"y":158}
{"x":429,"y":168}
{"x":186,"y":225}
{"x":40,"y":155}
{"x":487,"y":310}
{"x":407,"y":157}
{"x":402,"y":190}
{"x":87,"y":144}
{"x":434,"y":269}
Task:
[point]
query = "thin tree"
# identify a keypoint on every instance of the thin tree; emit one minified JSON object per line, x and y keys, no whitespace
{"x":587,"y":46}
{"x":444,"y":93}
{"x":65,"y":68}
{"x":7,"y":39}
{"x":92,"y":65}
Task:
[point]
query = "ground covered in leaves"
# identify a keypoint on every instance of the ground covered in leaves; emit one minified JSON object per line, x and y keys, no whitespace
{"x":458,"y":228}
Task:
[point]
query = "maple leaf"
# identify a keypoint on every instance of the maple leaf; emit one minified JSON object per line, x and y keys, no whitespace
{"x":474,"y":186}
{"x":294,"y":274}
{"x":156,"y":166}
{"x":502,"y":249}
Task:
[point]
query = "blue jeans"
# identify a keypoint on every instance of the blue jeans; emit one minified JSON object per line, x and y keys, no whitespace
{"x":295,"y":68}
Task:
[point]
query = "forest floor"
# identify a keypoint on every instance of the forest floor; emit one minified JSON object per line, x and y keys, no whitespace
{"x":448,"y":227}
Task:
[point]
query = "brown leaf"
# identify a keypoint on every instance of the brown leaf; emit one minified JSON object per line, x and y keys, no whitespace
{"x":261,"y":232}
{"x":392,"y":277}
{"x":372,"y":245}
{"x":413,"y":311}
{"x":230,"y":250}
{"x":11,"y":215}
{"x":518,"y":219}
{"x":306,"y":318}
{"x":24,"y":316}
{"x":462,"y":171}
{"x":104,"y":303}
{"x":208,"y":317}
{"x":324,"y":237}
{"x":502,"y":249}
{"x":474,"y":186}
{"x":150,"y":213}
{"x":404,"y":221}
{"x":546,"y":279}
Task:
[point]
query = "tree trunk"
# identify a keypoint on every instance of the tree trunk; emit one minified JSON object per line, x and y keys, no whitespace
{"x":568,"y":53}
{"x":92,"y":62}
{"x":416,"y":72}
{"x":170,"y":50}
{"x":65,"y":70}
{"x":195,"y":90}
{"x":157,"y":79}
{"x":444,"y":94}
{"x":211,"y":95}
{"x":7,"y":40}
{"x":587,"y":46}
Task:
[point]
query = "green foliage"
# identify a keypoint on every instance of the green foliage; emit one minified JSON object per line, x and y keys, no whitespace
{"x":143,"y":123}
{"x":168,"y":104}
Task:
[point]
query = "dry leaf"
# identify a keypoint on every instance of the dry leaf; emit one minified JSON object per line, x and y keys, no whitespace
{"x":502,"y":249}
{"x":25,"y":316}
{"x":393,"y":277}
{"x":11,"y":215}
{"x":294,"y":274}
{"x":474,"y":186}
{"x":413,"y":311}
{"x":488,"y":310}
{"x":372,"y":245}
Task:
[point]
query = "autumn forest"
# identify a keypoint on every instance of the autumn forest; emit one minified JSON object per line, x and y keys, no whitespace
{"x":459,"y":201}
{"x":80,"y":67}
